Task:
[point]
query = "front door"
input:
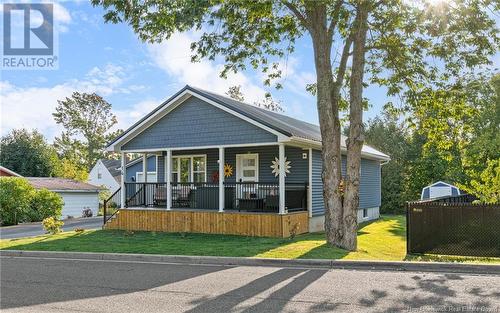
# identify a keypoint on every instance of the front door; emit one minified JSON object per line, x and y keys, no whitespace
{"x":247,"y":167}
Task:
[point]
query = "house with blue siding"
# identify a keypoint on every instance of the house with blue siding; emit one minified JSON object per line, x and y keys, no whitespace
{"x":214,"y":158}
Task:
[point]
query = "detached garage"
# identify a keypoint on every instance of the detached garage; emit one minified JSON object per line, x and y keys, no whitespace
{"x":76,"y":195}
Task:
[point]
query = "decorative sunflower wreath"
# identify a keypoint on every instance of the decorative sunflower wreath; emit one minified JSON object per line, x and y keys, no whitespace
{"x":228,"y":170}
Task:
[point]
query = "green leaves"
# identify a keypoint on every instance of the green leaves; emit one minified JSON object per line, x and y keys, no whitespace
{"x":27,"y":153}
{"x":85,"y":116}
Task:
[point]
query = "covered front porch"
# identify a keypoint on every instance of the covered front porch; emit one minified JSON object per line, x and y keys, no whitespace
{"x":264,"y":179}
{"x":244,"y":190}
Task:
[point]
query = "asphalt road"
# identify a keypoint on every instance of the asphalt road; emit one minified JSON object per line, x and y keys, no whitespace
{"x":55,"y":285}
{"x":36,"y":229}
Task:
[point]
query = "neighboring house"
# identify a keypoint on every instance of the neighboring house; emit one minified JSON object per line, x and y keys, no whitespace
{"x":135,"y":172}
{"x":76,"y":195}
{"x":6,"y":172}
{"x":438,"y":190}
{"x":215,"y":155}
{"x":107,"y":173}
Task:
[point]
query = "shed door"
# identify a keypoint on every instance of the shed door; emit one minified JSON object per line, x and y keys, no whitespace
{"x":437,"y":192}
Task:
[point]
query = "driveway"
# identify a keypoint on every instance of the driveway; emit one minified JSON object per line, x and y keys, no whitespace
{"x":78,"y":285}
{"x":36,"y":229}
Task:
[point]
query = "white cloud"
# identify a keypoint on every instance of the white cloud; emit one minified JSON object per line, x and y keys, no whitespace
{"x":61,"y":14}
{"x":126,"y":117}
{"x":32,"y":107}
{"x":173,"y":56}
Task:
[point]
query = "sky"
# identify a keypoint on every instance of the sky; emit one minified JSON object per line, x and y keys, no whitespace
{"x":135,"y":77}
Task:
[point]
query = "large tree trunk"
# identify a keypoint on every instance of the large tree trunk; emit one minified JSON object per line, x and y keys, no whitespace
{"x":340,"y":205}
{"x":328,"y":111}
{"x":355,"y":140}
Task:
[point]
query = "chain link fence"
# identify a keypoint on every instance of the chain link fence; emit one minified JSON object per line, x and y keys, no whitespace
{"x":452,"y":228}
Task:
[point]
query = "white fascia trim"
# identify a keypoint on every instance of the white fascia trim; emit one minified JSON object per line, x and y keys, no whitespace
{"x":140,"y":158}
{"x":441,"y":182}
{"x":204,"y":147}
{"x":318,"y":145}
{"x":175,"y":103}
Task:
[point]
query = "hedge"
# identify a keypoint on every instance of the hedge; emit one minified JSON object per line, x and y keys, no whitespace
{"x":20,"y":202}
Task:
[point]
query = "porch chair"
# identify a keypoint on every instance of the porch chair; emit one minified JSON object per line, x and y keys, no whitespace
{"x":160,"y":196}
{"x":181,"y":198}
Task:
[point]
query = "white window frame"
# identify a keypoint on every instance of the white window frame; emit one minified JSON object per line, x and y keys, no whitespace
{"x":239,"y":168}
{"x":177,"y":158}
{"x":149,"y":173}
{"x":365,"y":213}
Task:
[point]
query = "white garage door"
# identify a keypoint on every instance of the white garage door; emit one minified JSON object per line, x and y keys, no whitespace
{"x":75,"y":202}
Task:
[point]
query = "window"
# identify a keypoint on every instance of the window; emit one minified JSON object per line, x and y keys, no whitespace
{"x":99,"y":175}
{"x":247,"y":167}
{"x":189,"y":169}
{"x":151,"y":177}
{"x":199,"y":169}
{"x":175,"y":170}
{"x":365,"y":213}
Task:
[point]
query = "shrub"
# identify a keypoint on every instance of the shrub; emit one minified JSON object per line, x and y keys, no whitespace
{"x":45,"y":204}
{"x":15,"y":200}
{"x":52,"y":225}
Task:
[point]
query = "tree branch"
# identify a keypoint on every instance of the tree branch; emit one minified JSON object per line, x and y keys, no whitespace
{"x":343,"y":61}
{"x":334,"y":21}
{"x":298,"y":14}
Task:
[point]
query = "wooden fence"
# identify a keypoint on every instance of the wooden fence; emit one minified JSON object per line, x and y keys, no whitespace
{"x":453,"y":228}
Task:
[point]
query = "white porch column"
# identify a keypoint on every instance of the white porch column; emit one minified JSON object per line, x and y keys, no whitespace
{"x":169,"y":179}
{"x":145,"y":167}
{"x":309,"y":190}
{"x":282,"y":178}
{"x":123,"y":173}
{"x":221,"y":179}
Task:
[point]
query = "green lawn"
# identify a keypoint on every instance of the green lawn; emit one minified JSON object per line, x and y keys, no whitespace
{"x":380,"y":240}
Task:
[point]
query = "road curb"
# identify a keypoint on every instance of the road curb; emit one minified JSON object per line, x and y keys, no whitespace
{"x":442,"y":267}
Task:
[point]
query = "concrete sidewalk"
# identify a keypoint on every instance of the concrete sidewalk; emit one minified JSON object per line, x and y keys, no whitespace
{"x":440,"y":267}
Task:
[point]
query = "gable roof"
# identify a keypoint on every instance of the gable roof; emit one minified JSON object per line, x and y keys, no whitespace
{"x":441,"y":184}
{"x":61,"y":184}
{"x":113,"y":166}
{"x":285,"y":125}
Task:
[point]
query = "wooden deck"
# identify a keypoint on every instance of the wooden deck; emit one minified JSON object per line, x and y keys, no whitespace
{"x":211,"y":222}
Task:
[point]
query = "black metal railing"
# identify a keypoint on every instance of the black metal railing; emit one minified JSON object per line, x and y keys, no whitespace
{"x":192,"y":195}
{"x":242,"y":196}
{"x":296,"y":196}
{"x":264,"y":196}
{"x":146,"y":194}
{"x":111,"y":205}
